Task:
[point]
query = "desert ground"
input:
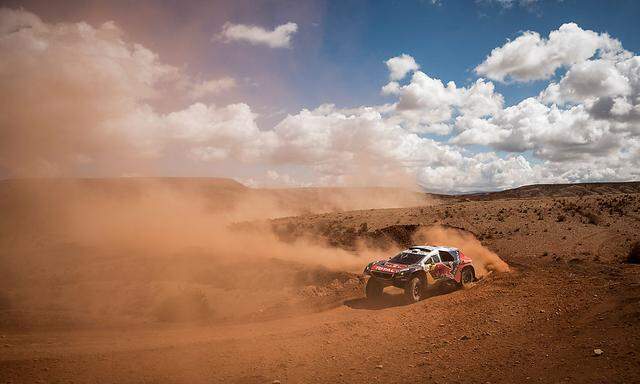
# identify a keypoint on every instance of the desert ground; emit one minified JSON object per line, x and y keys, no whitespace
{"x":208,"y":281}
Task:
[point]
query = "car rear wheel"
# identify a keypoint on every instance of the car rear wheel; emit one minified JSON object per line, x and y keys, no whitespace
{"x":467,"y":277}
{"x":373,"y":289}
{"x":414,"y":290}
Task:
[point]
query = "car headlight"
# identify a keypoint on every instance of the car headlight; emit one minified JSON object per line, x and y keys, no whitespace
{"x":403,"y":273}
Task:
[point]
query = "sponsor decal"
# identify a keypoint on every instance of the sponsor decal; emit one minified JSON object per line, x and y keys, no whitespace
{"x":388,"y":267}
{"x":383,"y":269}
{"x":441,"y":270}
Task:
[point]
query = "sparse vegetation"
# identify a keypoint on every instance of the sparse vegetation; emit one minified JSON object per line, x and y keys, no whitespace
{"x":592,"y":218}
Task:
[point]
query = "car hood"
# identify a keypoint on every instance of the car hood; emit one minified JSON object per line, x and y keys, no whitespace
{"x":387,"y":266}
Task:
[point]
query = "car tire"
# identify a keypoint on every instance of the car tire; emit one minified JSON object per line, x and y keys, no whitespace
{"x":414,"y":291}
{"x":467,"y":277}
{"x":373,"y":289}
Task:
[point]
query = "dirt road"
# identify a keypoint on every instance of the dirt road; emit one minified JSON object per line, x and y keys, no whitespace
{"x":539,"y":325}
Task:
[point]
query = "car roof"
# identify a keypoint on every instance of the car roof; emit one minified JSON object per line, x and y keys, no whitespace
{"x":429,"y":248}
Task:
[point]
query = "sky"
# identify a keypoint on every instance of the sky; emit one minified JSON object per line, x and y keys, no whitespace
{"x":444,"y":96}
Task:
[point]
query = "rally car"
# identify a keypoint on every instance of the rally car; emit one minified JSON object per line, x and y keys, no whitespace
{"x":417,"y":268}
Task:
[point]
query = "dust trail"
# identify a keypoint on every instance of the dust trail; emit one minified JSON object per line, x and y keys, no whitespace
{"x":484,"y":260}
{"x":122,"y":251}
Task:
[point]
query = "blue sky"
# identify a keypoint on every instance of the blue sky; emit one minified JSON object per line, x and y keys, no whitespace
{"x":345,"y":64}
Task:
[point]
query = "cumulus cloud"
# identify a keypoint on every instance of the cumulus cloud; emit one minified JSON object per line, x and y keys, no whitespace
{"x":279,"y":37}
{"x":61,"y":83}
{"x":332,"y":137}
{"x":590,"y":79}
{"x":219,"y":133}
{"x":78,"y":96}
{"x":355,"y":146}
{"x":583,"y":127}
{"x":400,"y":66}
{"x":206,"y":88}
{"x":531,"y":57}
{"x":551,"y":133}
{"x":485,"y":171}
{"x":608,"y":88}
{"x":363,"y":147}
{"x":425,"y":103}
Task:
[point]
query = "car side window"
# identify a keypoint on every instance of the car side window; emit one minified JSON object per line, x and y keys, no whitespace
{"x":435,"y":258}
{"x":446,"y":256}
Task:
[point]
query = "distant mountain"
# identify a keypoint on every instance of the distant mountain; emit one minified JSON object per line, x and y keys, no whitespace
{"x":218,"y":195}
{"x":224,"y":194}
{"x":552,"y":190}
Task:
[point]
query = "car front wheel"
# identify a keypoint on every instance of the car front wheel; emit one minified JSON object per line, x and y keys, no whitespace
{"x":414,"y":290}
{"x":467,"y":277}
{"x":373,"y":289}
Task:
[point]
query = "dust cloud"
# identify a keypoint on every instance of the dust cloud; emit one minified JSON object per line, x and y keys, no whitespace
{"x":484,"y":260}
{"x":84,"y":252}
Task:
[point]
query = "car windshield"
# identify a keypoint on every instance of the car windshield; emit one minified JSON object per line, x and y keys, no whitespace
{"x":406,"y":258}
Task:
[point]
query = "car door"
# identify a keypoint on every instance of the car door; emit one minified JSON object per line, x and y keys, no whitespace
{"x":449,"y":262}
{"x":437,"y":269}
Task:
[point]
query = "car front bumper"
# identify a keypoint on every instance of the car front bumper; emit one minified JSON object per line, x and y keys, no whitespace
{"x":395,"y":279}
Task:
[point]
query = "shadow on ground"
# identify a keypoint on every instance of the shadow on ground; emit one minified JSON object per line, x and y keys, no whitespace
{"x":386,"y":301}
{"x":396,"y":299}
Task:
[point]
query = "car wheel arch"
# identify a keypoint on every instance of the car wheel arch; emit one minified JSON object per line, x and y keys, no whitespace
{"x":462,"y":273}
{"x":420,"y":273}
{"x":470,"y":267}
{"x":423,"y":275}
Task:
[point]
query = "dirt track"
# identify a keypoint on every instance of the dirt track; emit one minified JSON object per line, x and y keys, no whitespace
{"x":569,"y":293}
{"x":538,"y":326}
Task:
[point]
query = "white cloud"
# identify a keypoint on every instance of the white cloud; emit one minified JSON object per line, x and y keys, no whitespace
{"x":279,"y":37}
{"x":621,"y":107}
{"x":211,"y":87}
{"x":481,"y":172}
{"x":214,"y":132}
{"x":94,"y":103}
{"x":362,"y":146}
{"x":79,"y":77}
{"x":355,"y":146}
{"x":583,"y":127}
{"x":531,"y":57}
{"x":400,"y":66}
{"x":550,"y":132}
{"x":330,"y":135}
{"x":587,"y":80}
{"x":391,"y":88}
{"x":608,"y":88}
{"x":426,"y":103}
